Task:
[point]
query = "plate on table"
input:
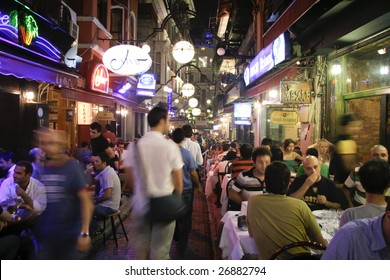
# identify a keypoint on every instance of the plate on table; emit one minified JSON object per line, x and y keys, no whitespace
{"x":319,"y":213}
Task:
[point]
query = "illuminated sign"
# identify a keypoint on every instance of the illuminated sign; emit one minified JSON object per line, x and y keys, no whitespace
{"x":84,"y":113}
{"x":242,"y":110}
{"x":147,"y":81}
{"x":242,"y":122}
{"x":127,"y":60}
{"x":100,"y":79}
{"x":20,"y":28}
{"x":266,"y":59}
{"x":145,"y":92}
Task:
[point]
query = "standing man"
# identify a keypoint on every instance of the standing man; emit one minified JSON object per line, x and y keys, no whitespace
{"x":63,"y":229}
{"x":317,"y":191}
{"x":354,"y":192}
{"x":162,"y":164}
{"x":31,"y":190}
{"x":98,"y":142}
{"x":190,"y":180}
{"x":192,"y":146}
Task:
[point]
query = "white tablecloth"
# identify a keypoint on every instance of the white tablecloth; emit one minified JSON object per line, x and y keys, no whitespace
{"x":235,"y":243}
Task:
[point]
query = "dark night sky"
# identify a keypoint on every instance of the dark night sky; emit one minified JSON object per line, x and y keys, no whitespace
{"x":205,"y":9}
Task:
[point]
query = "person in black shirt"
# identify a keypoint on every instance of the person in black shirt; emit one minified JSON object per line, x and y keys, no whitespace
{"x":317,"y":191}
{"x":99,"y":144}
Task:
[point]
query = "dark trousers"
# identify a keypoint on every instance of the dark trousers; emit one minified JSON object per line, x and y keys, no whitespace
{"x":184,"y":224}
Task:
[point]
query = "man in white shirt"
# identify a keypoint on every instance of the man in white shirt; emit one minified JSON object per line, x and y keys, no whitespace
{"x":161,"y":162}
{"x":32,"y":191}
{"x":108,"y":198}
{"x":192,"y":146}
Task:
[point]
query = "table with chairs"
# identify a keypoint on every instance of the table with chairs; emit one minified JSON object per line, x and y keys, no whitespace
{"x":236,"y":243}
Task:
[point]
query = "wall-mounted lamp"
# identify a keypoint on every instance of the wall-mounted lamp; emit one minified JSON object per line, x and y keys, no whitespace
{"x":336,"y":68}
{"x":384,"y":70}
{"x":29,"y":96}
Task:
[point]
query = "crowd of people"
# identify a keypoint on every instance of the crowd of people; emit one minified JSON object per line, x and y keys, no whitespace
{"x":69,"y":196}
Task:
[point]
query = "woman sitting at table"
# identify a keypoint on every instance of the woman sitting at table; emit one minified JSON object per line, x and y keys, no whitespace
{"x":289,"y":156}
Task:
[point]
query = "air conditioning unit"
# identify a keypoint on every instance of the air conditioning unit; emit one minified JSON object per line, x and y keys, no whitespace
{"x":73,"y":28}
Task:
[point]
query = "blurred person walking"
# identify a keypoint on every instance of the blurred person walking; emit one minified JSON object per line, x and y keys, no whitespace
{"x":161,"y":163}
{"x":63,"y":229}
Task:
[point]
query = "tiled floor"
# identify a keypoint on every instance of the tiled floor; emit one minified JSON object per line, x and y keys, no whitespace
{"x":201,"y":244}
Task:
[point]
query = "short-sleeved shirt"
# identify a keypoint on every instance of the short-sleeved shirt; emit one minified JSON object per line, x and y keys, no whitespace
{"x":159,"y":158}
{"x":344,"y":146}
{"x":359,"y":240}
{"x":277,"y":220}
{"x":361,"y":212}
{"x":324,"y":187}
{"x":195,"y":150}
{"x":240,"y":165}
{"x":109,"y":179}
{"x":62,"y":216}
{"x":99,"y":145}
{"x":249,"y":185}
{"x":189,"y":164}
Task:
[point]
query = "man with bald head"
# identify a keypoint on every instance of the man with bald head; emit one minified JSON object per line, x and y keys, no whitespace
{"x":354,"y":192}
{"x":317,"y":191}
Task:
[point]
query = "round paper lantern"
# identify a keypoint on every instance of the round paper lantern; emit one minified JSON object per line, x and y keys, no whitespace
{"x":193,"y":102}
{"x":196,"y":111}
{"x":183,"y":52}
{"x":188,"y":90}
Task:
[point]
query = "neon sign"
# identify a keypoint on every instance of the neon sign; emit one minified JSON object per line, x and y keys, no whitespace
{"x":30,"y":28}
{"x":14,"y":26}
{"x":99,"y":81}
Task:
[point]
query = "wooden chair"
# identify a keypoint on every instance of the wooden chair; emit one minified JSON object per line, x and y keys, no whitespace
{"x":114,"y":233}
{"x":310,"y":255}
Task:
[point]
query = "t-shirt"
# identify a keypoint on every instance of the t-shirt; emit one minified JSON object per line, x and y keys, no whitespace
{"x":62,"y":216}
{"x":277,"y":220}
{"x":247,"y":184}
{"x":109,"y":179}
{"x":189,"y":164}
{"x":240,"y":165}
{"x":361,"y":212}
{"x":99,"y":145}
{"x":344,"y":146}
{"x":324,"y":187}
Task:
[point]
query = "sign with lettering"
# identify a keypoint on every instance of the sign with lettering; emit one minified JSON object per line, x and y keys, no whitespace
{"x":284,"y":117}
{"x":84,"y":113}
{"x":127,"y":60}
{"x":100,"y":78}
{"x":295,"y":92}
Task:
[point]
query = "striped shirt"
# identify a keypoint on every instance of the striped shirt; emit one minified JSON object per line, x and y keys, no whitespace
{"x":240,"y":165}
{"x":248,"y":185}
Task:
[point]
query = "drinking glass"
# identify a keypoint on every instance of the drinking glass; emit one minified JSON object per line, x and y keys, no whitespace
{"x":11,"y":206}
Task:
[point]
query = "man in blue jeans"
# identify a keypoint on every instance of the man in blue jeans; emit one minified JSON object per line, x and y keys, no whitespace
{"x":190,"y":180}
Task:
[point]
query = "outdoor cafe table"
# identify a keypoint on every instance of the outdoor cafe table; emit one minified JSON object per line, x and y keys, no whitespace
{"x":236,"y":243}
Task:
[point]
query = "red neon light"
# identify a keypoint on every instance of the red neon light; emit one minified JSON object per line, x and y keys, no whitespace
{"x":100,"y":78}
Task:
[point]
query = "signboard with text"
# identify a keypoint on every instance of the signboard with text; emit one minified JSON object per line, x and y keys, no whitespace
{"x":295,"y":92}
{"x":100,"y":79}
{"x":284,"y":117}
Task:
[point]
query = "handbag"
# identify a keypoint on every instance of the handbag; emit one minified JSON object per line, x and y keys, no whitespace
{"x":164,"y":209}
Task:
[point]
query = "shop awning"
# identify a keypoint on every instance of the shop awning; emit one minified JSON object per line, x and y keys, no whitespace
{"x":87,"y":96}
{"x":22,"y":68}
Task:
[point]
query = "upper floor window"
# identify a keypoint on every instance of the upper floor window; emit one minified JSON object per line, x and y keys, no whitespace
{"x":117,"y":23}
{"x":102,"y":12}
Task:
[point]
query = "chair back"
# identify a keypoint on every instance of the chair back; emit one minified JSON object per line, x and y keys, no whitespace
{"x":231,"y":206}
{"x":314,"y":253}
